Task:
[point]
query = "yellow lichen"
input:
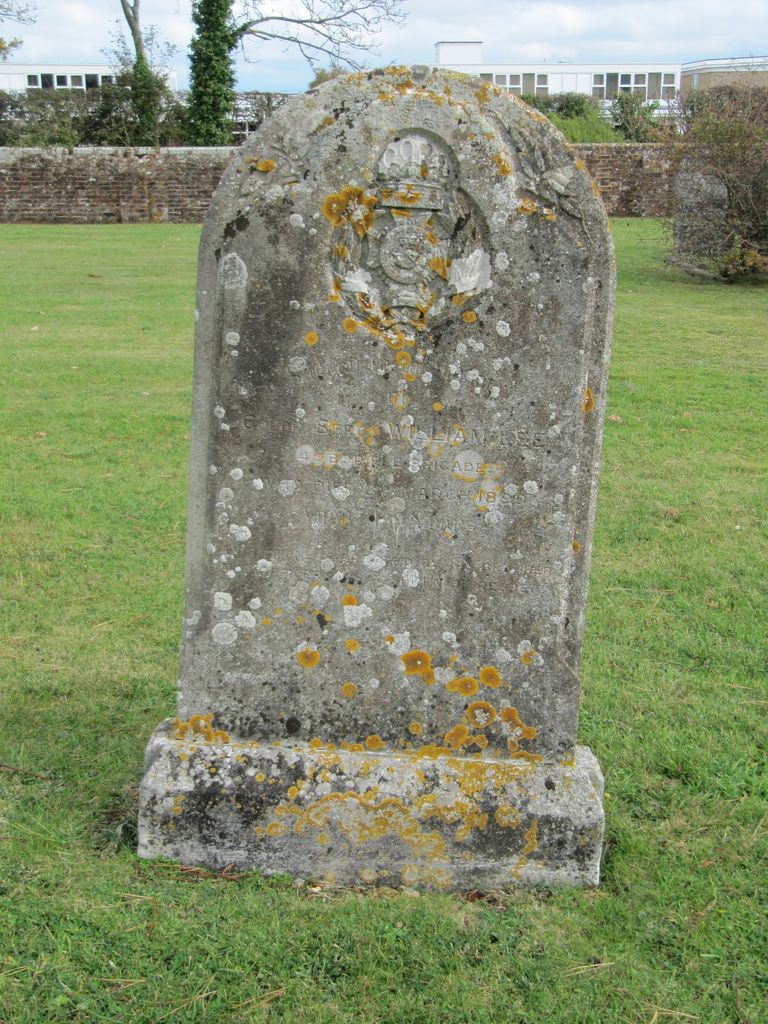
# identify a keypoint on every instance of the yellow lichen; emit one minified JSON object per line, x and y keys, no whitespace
{"x":415,"y":728}
{"x":503,"y":165}
{"x":348,"y":600}
{"x":353,"y":206}
{"x":507,"y":816}
{"x":510,"y":716}
{"x":308,"y":657}
{"x":489,"y":676}
{"x":439,"y":264}
{"x":465,"y":685}
{"x":527,"y":207}
{"x":469,"y":316}
{"x":350,"y":325}
{"x":374,"y":742}
{"x":457,"y":736}
{"x":311,"y":338}
{"x":348,"y":690}
{"x":418,"y":663}
{"x":352,"y":645}
{"x":481,"y":714}
{"x":265,"y":166}
{"x":530,"y":846}
{"x":587,"y":401}
{"x":200,"y":725}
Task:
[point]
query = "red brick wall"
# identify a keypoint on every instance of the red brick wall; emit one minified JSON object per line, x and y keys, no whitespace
{"x":108,"y":185}
{"x":111,"y":185}
{"x":635,"y":179}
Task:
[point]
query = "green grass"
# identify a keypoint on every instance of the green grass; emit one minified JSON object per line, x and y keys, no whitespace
{"x":95,"y":376}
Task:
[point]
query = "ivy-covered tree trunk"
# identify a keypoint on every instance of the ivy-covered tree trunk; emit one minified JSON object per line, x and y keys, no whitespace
{"x":212,"y":77}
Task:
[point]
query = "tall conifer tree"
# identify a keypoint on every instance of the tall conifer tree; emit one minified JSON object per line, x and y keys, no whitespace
{"x":212,"y":76}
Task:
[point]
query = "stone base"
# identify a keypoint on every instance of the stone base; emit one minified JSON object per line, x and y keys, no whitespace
{"x":358,"y":818}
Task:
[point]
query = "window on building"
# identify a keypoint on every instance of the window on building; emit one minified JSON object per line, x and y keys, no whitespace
{"x":668,"y":86}
{"x":542,"y":86}
{"x":598,"y":86}
{"x":61,"y":81}
{"x":486,"y":77}
{"x":639,"y":85}
{"x":515,"y":86}
{"x":500,"y":79}
{"x":106,"y":79}
{"x":625,"y":82}
{"x":529,"y":85}
{"x":654,"y":85}
{"x":33,"y":81}
{"x":46,"y":81}
{"x":76,"y":81}
{"x":91,"y":81}
{"x":611,"y":84}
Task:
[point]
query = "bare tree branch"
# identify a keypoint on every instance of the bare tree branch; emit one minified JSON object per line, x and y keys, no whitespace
{"x":18,"y":10}
{"x":340,"y":30}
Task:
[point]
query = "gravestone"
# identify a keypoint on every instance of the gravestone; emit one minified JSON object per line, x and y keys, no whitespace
{"x":404,"y":309}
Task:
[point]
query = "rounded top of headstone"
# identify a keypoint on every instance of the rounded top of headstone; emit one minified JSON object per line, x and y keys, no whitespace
{"x":507,"y":142}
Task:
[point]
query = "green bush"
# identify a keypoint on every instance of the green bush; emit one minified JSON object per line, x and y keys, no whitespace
{"x":98,"y":117}
{"x":634,"y":118}
{"x":592,"y":127}
{"x":578,"y":117}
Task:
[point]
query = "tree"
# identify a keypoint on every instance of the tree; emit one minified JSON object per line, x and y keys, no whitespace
{"x":634,"y":118}
{"x":212,"y":77}
{"x":325,"y":75}
{"x":337,"y":29}
{"x":19,"y":11}
{"x":148,"y":89}
{"x":721,"y":189}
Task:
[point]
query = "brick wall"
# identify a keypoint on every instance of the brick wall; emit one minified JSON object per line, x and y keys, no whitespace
{"x":111,"y":185}
{"x":635,"y":179}
{"x":108,"y":185}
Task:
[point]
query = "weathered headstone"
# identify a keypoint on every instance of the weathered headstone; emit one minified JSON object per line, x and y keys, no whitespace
{"x":405,"y":299}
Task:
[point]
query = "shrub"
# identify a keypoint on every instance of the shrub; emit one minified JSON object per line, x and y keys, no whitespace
{"x":721,"y":195}
{"x":578,"y":117}
{"x":98,"y":117}
{"x":634,"y":118}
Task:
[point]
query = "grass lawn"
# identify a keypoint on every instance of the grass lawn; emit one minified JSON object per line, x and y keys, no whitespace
{"x":95,"y":375}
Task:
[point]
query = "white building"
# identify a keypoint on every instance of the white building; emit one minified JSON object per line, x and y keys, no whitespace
{"x":653,"y":80}
{"x":20,"y":77}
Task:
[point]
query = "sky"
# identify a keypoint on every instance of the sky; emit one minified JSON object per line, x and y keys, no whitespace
{"x":79,"y":31}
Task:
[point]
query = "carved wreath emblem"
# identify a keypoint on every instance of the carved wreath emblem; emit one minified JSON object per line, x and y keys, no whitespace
{"x":411,"y":252}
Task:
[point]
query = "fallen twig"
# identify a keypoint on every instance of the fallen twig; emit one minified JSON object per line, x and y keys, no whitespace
{"x":585,"y":968}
